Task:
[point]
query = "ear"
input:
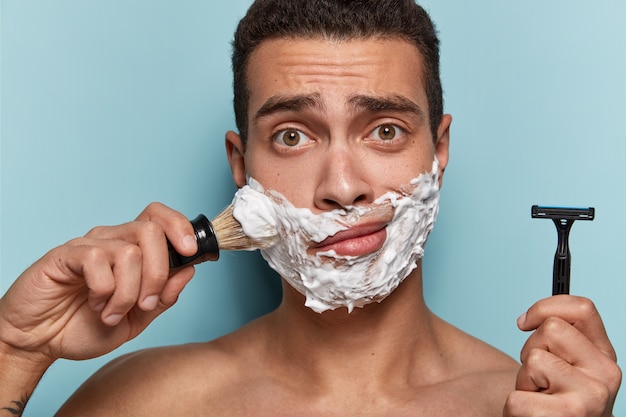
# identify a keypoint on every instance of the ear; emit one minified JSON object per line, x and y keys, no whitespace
{"x":235,"y":152}
{"x":442,"y":145}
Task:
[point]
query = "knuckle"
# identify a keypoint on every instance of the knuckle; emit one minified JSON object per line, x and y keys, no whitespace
{"x":552,"y":325}
{"x":535,"y":358}
{"x":102,"y":288}
{"x":153,"y":207}
{"x":614,"y":377}
{"x":131,"y":253}
{"x":94,"y":254}
{"x":77,"y":241}
{"x":598,"y":396}
{"x":149,"y":230}
{"x":575,"y":406}
{"x":585,"y":307}
{"x":514,"y":403}
{"x":96,"y":231}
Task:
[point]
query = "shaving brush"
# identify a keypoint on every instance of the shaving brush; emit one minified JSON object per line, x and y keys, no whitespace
{"x":223,"y":233}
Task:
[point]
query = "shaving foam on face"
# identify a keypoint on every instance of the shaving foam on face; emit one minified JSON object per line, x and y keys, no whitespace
{"x":327,"y":279}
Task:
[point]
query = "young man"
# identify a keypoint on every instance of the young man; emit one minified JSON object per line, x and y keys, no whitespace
{"x":338,"y":103}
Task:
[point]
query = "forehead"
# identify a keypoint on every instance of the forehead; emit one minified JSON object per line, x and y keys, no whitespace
{"x":335,"y":69}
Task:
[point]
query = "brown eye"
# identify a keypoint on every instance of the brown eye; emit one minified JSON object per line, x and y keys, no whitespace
{"x":386,"y":132}
{"x":291,"y":137}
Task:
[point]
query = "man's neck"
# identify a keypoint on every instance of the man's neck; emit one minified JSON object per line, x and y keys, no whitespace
{"x":380,"y":340}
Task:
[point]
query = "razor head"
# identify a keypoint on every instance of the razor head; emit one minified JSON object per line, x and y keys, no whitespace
{"x":562,"y":213}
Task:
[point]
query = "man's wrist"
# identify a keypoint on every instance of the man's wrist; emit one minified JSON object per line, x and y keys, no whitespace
{"x":20,"y":372}
{"x":19,"y":361}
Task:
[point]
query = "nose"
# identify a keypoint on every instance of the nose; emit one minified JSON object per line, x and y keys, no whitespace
{"x":343,"y":181}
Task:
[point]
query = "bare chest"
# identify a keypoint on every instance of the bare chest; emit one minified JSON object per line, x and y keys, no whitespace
{"x":432,"y":402}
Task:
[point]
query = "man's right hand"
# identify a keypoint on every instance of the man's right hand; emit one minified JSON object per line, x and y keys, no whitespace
{"x":87,"y":297}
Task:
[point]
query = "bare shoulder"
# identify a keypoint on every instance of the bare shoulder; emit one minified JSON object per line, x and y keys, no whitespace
{"x":172,"y":380}
{"x":238,"y":373}
{"x":484,"y":376}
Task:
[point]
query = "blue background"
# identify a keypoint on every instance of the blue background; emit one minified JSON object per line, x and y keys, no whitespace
{"x":109,"y":105}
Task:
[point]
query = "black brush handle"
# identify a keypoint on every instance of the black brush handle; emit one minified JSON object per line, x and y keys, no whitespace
{"x":208,"y":249}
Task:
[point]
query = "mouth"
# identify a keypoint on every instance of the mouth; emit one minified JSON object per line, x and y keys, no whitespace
{"x":359,"y":240}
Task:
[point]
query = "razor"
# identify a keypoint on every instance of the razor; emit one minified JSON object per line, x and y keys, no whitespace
{"x":563,"y":218}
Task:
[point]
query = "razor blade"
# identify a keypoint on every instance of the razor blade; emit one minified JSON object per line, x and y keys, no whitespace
{"x":565,"y":213}
{"x":563,"y":218}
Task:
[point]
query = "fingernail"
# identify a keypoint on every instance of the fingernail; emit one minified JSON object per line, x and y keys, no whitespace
{"x":189,"y":242}
{"x":99,"y":307}
{"x":521,"y":320}
{"x":150,"y":302}
{"x":113,"y":319}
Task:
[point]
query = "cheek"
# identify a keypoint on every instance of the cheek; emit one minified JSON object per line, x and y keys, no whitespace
{"x":391,"y":172}
{"x":293,"y":179}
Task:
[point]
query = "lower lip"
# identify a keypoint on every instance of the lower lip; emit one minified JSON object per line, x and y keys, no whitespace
{"x":358,"y":246}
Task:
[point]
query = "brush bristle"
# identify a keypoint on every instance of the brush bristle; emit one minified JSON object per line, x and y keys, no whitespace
{"x":230,"y":235}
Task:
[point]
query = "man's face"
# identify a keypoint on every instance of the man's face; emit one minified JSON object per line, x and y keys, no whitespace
{"x":333,"y":124}
{"x":337,"y":125}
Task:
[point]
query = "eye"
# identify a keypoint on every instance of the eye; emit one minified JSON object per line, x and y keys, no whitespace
{"x":386,"y":132}
{"x":290,"y":138}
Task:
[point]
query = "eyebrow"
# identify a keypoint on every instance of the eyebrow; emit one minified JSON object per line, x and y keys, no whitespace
{"x":373,"y":104}
{"x":393,"y":103}
{"x":295,"y":103}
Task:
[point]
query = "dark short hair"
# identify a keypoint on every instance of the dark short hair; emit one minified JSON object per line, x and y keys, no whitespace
{"x":337,"y":20}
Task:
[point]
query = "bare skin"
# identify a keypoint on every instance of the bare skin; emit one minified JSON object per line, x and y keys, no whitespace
{"x":331,"y":124}
{"x":289,"y":363}
{"x":295,"y":360}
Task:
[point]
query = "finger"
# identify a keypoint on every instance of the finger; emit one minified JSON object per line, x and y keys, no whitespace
{"x":536,"y":404}
{"x":89,"y":262}
{"x":150,"y":238}
{"x":126,"y":263}
{"x":111,"y":270}
{"x":92,"y":264}
{"x":578,"y":311}
{"x":544,"y":371}
{"x":549,"y":377}
{"x":177,"y":227}
{"x":180,"y":234}
{"x":566,"y":341}
{"x":170,"y":295}
{"x":175,"y":285}
{"x":574,"y":350}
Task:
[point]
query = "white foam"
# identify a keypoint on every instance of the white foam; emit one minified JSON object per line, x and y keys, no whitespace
{"x":326,"y":279}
